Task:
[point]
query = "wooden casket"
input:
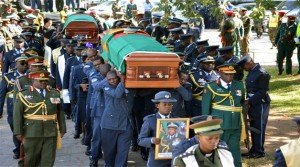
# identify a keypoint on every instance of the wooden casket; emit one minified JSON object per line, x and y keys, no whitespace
{"x":145,"y":62}
{"x":82,"y":24}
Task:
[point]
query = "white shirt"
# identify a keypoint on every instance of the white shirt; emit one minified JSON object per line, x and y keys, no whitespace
{"x":224,"y":84}
{"x":39,"y":90}
{"x":163,"y":116}
{"x":147,"y":7}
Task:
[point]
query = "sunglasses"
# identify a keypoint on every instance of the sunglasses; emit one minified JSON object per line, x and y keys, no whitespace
{"x":23,"y":63}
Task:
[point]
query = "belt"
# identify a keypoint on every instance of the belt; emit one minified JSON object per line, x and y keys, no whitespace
{"x":227,"y":108}
{"x":43,"y":117}
{"x":198,"y":98}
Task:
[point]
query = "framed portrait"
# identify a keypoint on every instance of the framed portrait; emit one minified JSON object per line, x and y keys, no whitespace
{"x":171,"y":132}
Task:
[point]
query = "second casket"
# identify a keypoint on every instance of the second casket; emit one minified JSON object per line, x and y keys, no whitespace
{"x":145,"y":62}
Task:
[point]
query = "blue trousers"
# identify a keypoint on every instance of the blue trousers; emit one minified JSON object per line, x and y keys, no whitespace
{"x":48,"y":5}
{"x":259,"y":115}
{"x":69,"y":2}
{"x":36,"y":2}
{"x":88,"y":127}
{"x":96,"y":142}
{"x":115,"y":145}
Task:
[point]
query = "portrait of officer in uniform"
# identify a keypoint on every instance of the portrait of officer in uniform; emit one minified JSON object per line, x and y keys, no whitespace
{"x":171,"y":138}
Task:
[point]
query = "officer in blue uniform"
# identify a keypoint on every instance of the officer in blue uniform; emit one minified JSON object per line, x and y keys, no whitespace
{"x":209,"y":51}
{"x":147,"y":137}
{"x":173,"y":23}
{"x":184,"y":41}
{"x":30,"y":42}
{"x":258,"y":103}
{"x":78,"y":94}
{"x":175,"y":33}
{"x":10,"y":56}
{"x":198,"y":79}
{"x":146,"y":24}
{"x":158,"y":31}
{"x":194,"y":49}
{"x":7,"y":88}
{"x":229,"y":58}
{"x":116,"y":121}
{"x":97,"y":109}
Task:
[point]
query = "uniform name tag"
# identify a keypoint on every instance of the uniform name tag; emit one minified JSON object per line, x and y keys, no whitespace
{"x":55,"y":100}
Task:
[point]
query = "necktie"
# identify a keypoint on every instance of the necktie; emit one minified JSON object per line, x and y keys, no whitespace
{"x":228,"y":86}
{"x":42,"y":93}
{"x":209,"y":77}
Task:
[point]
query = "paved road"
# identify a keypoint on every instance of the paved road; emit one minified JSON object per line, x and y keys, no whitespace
{"x":72,"y":153}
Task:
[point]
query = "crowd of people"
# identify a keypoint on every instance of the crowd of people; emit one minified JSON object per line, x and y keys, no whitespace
{"x":110,"y":119}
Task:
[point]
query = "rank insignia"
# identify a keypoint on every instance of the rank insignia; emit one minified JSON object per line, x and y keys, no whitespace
{"x":55,"y":100}
{"x":238,"y":92}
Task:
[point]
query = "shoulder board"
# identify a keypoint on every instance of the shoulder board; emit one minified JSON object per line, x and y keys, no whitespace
{"x":262,"y":70}
{"x":190,"y":151}
{"x":149,"y":116}
{"x":223,"y":145}
{"x":70,"y":58}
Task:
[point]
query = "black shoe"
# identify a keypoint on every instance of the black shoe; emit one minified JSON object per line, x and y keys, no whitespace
{"x":88,"y":152}
{"x":256,"y":156}
{"x":145,"y":157}
{"x":93,"y":163}
{"x":245,"y":154}
{"x":135,"y":148}
{"x":76,"y":136}
{"x":16,"y":156}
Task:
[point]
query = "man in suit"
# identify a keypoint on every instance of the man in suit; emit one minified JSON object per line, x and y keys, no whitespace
{"x":226,"y":98}
{"x":42,"y":115}
{"x":257,"y":102}
{"x":7,"y":88}
{"x":147,"y":137}
{"x":60,"y":70}
{"x":10,"y":56}
{"x":70,"y":62}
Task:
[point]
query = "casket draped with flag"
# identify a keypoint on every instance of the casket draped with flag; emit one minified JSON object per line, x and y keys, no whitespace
{"x":145,"y":62}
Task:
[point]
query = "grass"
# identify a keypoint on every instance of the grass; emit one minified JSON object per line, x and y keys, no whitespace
{"x":285,"y":94}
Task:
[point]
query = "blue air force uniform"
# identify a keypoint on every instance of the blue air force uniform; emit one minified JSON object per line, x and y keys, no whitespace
{"x":80,"y":97}
{"x":257,"y":86}
{"x":116,"y":123}
{"x":147,"y":132}
{"x":7,"y":88}
{"x":97,"y":106}
{"x":9,"y":59}
{"x":198,"y":79}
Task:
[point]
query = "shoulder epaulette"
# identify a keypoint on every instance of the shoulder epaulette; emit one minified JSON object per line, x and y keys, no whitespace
{"x":149,"y":116}
{"x":189,"y":153}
